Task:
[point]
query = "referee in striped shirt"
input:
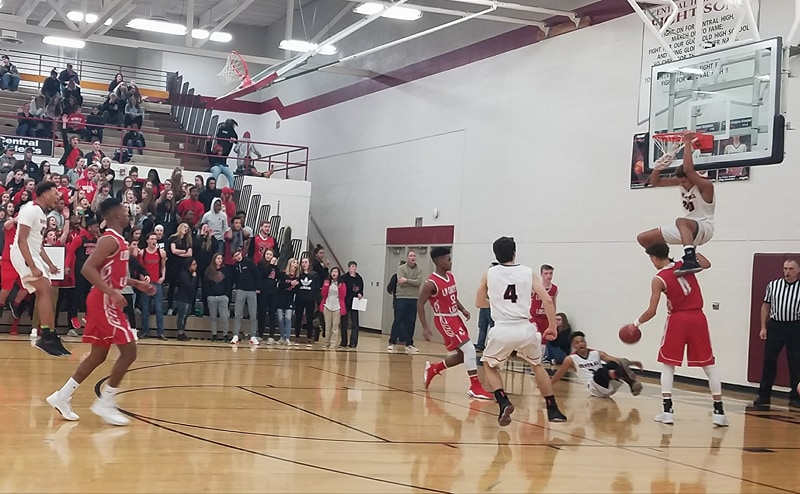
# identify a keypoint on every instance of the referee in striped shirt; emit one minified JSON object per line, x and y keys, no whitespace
{"x":780,"y":326}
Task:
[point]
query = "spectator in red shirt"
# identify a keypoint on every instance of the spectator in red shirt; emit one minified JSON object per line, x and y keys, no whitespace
{"x":87,"y":183}
{"x":71,"y":151}
{"x":227,"y":203}
{"x":191,"y":204}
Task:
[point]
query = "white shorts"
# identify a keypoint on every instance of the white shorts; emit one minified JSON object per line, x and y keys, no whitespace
{"x":24,"y":271}
{"x":705,"y":230}
{"x":506,"y":338}
{"x":600,"y":392}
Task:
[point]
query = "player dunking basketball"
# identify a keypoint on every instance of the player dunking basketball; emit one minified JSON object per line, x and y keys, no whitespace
{"x":440,"y":290}
{"x":686,"y":328}
{"x":509,"y":287}
{"x":698,"y":198}
{"x":106,"y":323}
{"x":34,"y":267}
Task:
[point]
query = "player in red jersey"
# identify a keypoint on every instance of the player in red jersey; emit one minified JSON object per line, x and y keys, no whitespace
{"x":262,"y":242}
{"x":538,"y":316}
{"x":440,"y":290}
{"x":8,"y":275}
{"x":686,"y":328}
{"x":106,"y":324}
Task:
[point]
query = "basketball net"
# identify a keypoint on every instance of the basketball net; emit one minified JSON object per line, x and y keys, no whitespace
{"x":235,"y":70}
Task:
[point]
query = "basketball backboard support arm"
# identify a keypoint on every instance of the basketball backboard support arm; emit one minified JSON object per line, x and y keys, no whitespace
{"x":396,"y":42}
{"x":648,"y":23}
{"x":269,"y":75}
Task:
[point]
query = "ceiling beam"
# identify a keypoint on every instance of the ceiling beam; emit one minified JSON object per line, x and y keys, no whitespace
{"x":27,"y":8}
{"x":187,"y":40}
{"x":522,"y":8}
{"x":58,"y":9}
{"x":118,"y":17}
{"x":50,"y":15}
{"x":329,"y":25}
{"x":461,"y":13}
{"x":215,"y":13}
{"x":224,"y":22}
{"x":108,"y":11}
{"x":21,"y":26}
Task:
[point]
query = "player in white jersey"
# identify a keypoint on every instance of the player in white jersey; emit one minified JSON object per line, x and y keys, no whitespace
{"x":601,"y":373}
{"x":34,"y":267}
{"x":698,"y":199}
{"x":509,"y":288}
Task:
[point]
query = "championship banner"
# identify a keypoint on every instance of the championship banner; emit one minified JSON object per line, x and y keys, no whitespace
{"x":720,"y":19}
{"x":41,"y":147}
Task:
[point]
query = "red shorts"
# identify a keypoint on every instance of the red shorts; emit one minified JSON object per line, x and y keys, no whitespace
{"x":540,"y":322}
{"x":686,"y":330}
{"x":452,"y":330}
{"x":8,"y":275}
{"x":106,"y":325}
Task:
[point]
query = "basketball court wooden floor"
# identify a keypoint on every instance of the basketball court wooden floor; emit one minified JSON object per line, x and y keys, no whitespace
{"x":207,"y":418}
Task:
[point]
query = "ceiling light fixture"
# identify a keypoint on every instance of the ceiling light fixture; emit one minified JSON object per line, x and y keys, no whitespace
{"x":400,"y":13}
{"x":108,"y":22}
{"x":304,"y":47}
{"x":157,"y":26}
{"x":222,"y":37}
{"x":90,"y":18}
{"x":64,"y":42}
{"x":75,"y":16}
{"x":199,"y":34}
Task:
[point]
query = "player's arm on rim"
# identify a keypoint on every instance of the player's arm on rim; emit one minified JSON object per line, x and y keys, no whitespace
{"x":565,"y":366}
{"x":482,"y":297}
{"x":655,"y":176}
{"x":428,"y":289}
{"x":550,"y":333}
{"x":705,"y":185}
{"x":656,"y":289}
{"x":105,"y":248}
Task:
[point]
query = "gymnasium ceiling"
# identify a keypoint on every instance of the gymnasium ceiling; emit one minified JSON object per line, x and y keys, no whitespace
{"x":43,"y":16}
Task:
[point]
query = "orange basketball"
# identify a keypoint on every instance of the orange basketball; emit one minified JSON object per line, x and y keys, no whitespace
{"x":630,"y":334}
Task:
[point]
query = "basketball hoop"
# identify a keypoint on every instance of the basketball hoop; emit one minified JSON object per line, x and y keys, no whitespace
{"x":672,"y":142}
{"x":235,"y":69}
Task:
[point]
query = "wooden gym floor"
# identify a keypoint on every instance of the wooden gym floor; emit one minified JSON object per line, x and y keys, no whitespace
{"x":211,"y":419}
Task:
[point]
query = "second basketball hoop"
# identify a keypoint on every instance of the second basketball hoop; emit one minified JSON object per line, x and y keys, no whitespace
{"x":235,"y":69}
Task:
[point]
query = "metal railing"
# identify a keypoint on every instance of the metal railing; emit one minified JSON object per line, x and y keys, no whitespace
{"x":41,"y":64}
{"x":280,"y":158}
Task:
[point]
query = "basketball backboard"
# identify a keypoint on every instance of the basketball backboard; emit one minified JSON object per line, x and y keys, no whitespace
{"x":732,"y":93}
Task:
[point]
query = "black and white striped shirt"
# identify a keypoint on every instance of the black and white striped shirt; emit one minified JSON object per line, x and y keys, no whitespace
{"x":784,"y":300}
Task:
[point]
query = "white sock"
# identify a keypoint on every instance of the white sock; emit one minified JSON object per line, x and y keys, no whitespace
{"x":68,"y":388}
{"x":108,"y":393}
{"x":667,"y":376}
{"x":714,"y":381}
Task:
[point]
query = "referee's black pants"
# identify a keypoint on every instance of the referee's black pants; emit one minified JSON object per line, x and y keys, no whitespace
{"x":780,"y":334}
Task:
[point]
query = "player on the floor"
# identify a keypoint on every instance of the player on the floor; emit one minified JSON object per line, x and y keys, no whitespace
{"x":34,"y":267}
{"x":686,"y":328}
{"x":509,"y":287}
{"x":601,"y":373}
{"x":106,"y":323}
{"x":440,"y":290}
{"x":698,"y":199}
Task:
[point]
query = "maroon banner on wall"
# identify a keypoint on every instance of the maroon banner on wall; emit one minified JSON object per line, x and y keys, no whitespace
{"x":421,"y":235}
{"x":766,"y":267}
